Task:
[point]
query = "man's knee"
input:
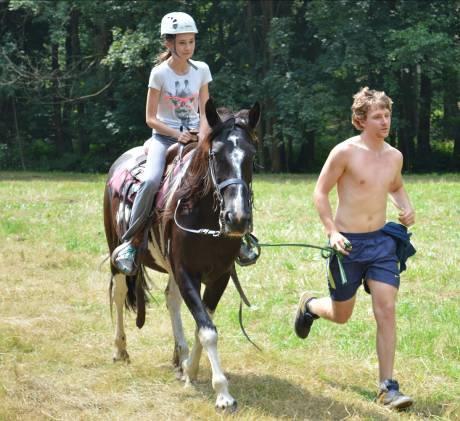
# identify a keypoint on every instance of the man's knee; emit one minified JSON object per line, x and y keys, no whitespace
{"x":385,"y":311}
{"x":342,"y":318}
{"x":342,"y":310}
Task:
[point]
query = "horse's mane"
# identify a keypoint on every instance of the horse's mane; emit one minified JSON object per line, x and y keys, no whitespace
{"x":196,"y":183}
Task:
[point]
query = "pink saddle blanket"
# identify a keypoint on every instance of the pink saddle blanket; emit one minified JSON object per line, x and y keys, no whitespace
{"x":125,"y":182}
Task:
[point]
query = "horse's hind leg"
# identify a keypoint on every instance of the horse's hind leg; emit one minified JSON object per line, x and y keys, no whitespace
{"x":173,"y":303}
{"x":119,"y":292}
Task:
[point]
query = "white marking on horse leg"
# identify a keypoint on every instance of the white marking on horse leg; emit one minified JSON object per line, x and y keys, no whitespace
{"x":208,"y":338}
{"x":192,"y":364}
{"x":119,"y":292}
{"x":173,"y":303}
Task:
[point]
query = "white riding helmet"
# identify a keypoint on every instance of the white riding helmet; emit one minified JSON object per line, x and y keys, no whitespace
{"x":177,"y":23}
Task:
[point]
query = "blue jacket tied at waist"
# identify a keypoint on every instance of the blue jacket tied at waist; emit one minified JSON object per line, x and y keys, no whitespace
{"x":404,"y":248}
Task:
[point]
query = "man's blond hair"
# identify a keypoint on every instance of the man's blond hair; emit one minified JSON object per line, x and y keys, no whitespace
{"x":363,"y":100}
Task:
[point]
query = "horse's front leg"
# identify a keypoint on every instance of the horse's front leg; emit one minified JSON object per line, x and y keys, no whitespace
{"x":207,"y":337}
{"x":173,"y":303}
{"x":119,"y":291}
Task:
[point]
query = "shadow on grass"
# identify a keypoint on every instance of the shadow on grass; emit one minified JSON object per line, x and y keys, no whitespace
{"x":422,"y":409}
{"x":279,"y":398}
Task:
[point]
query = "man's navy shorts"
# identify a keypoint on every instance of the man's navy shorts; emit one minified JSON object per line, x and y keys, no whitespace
{"x":373,"y":256}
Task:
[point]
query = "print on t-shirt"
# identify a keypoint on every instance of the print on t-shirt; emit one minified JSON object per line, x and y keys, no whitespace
{"x":182,"y":102}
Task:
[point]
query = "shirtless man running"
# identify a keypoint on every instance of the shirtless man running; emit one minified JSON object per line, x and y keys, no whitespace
{"x":366,"y":170}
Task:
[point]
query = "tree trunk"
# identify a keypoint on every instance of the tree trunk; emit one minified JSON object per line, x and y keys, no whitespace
{"x":407,"y":116}
{"x":290,"y":162}
{"x":423,"y":138}
{"x":452,"y":113}
{"x":262,"y":154}
{"x":306,"y":156}
{"x":18,"y":136}
{"x":57,"y":116}
{"x":74,"y":35}
{"x":276,"y":145}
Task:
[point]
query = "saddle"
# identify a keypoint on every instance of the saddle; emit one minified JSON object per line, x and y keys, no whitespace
{"x":126,"y":180}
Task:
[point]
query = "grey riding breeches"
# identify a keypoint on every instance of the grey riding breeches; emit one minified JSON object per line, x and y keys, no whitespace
{"x":153,"y":172}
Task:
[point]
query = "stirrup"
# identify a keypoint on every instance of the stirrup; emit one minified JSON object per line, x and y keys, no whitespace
{"x":124,"y":259}
{"x":249,"y":250}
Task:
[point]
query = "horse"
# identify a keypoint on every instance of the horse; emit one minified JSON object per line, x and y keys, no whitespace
{"x":195,"y":238}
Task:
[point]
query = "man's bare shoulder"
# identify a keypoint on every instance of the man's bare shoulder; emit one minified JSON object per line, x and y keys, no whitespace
{"x":395,"y":153}
{"x":346,"y":145}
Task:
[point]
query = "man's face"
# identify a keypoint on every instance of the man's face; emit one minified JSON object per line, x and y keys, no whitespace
{"x":378,"y":122}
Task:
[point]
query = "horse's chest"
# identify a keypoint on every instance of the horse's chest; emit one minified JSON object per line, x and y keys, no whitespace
{"x":209,"y":256}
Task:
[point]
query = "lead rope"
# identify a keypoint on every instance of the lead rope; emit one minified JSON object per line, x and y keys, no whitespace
{"x":326,"y":253}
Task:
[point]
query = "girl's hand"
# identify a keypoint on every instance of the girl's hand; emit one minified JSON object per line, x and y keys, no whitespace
{"x":185,"y":137}
{"x":194,"y":135}
{"x":340,"y":243}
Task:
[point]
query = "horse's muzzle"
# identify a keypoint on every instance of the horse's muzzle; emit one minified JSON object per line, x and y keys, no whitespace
{"x":236,"y":224}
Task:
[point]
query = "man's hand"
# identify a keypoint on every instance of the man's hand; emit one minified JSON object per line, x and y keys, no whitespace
{"x":340,"y":243}
{"x":407,"y":216}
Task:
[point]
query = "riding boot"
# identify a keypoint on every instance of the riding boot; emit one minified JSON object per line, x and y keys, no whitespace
{"x":127,"y":256}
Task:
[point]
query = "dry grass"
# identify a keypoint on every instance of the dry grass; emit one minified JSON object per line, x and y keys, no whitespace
{"x":56,"y":332}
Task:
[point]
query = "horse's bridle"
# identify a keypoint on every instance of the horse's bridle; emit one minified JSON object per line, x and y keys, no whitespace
{"x":218,"y":188}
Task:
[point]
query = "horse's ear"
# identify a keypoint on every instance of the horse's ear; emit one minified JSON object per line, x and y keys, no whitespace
{"x":254,"y":115}
{"x":211,"y":113}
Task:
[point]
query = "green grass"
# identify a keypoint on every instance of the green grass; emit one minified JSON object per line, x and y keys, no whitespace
{"x":56,"y":332}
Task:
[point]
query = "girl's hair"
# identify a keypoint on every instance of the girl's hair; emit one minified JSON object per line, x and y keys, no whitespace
{"x":363,"y":100}
{"x":163,"y":56}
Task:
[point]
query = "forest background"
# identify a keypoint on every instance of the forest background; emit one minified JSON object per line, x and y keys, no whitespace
{"x":73,"y":76}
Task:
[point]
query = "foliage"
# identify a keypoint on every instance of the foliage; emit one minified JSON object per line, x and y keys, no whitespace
{"x":74,"y":74}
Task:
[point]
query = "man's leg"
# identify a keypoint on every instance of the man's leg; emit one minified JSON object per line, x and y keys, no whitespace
{"x":310,"y":308}
{"x":383,"y":304}
{"x":335,"y":311}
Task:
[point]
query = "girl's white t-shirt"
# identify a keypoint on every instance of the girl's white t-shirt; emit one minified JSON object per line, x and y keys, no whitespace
{"x":179,"y":94}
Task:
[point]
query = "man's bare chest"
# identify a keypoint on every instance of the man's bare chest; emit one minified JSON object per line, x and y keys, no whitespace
{"x":368,"y":171}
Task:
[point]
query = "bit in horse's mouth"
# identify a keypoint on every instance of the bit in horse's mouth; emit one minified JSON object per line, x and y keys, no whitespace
{"x":235,"y":234}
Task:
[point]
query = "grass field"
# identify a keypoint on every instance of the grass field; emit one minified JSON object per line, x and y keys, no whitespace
{"x":56,"y":332}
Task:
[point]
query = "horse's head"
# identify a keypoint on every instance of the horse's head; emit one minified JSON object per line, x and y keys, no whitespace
{"x":231,"y":156}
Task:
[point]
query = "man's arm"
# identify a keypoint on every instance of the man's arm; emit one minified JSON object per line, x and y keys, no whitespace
{"x":331,"y":172}
{"x":400,"y":198}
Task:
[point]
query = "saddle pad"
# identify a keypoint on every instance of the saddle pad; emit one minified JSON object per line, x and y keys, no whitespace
{"x":125,"y":182}
{"x":173,"y":172}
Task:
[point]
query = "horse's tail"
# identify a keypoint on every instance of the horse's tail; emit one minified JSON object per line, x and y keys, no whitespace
{"x":138,"y":295}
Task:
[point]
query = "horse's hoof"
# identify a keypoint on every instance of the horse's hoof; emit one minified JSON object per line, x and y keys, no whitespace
{"x":188,"y":381}
{"x":121,"y":356}
{"x":178,"y":372}
{"x":227,"y":408}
